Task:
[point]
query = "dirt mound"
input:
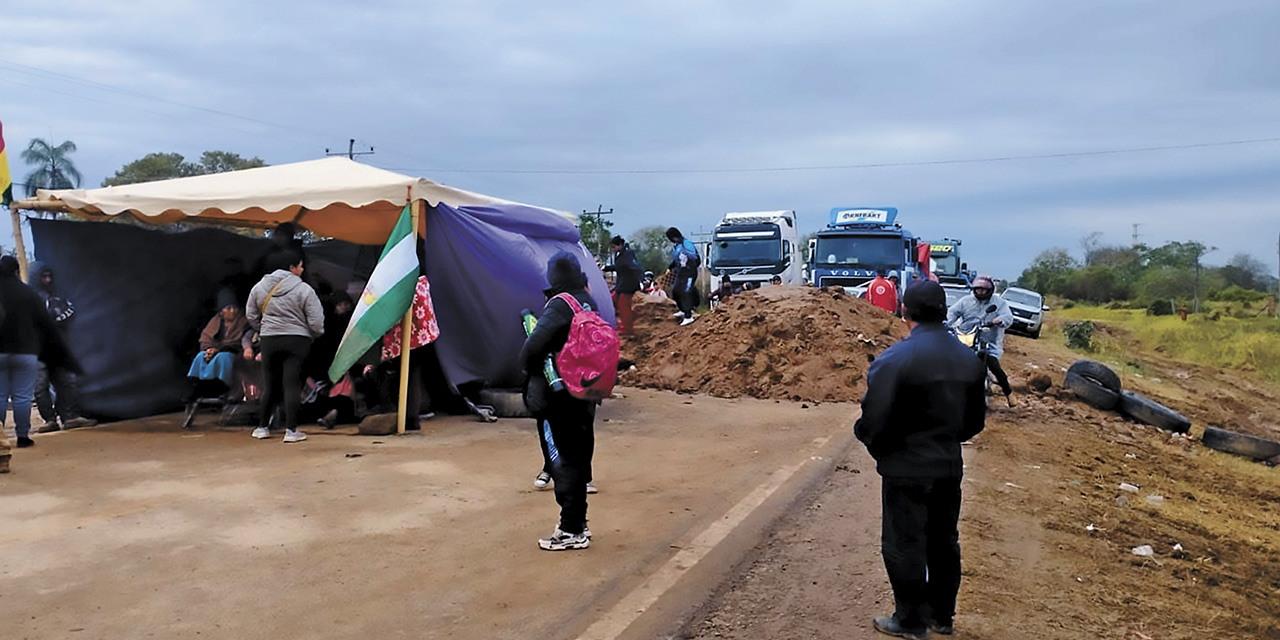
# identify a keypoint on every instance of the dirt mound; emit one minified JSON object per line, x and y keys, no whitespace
{"x":792,"y":343}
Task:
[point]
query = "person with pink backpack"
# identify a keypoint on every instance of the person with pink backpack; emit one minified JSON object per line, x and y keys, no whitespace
{"x":582,"y":343}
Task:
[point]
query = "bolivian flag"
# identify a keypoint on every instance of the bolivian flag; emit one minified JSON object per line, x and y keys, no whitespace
{"x":6,"y":183}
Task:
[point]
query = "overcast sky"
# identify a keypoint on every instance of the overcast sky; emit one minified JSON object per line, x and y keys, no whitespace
{"x":675,"y":112}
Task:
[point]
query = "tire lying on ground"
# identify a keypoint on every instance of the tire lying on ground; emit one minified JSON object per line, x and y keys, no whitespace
{"x":1146,"y":410}
{"x":1240,"y":444}
{"x":1097,"y":372}
{"x":1090,"y":392}
{"x":506,"y":403}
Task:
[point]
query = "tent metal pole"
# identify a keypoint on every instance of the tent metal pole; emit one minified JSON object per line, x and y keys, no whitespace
{"x":406,"y":327}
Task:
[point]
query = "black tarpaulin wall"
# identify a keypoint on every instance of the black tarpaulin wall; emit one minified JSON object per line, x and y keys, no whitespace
{"x":142,"y":296}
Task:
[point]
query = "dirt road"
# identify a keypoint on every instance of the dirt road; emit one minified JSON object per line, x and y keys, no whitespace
{"x":138,"y":529}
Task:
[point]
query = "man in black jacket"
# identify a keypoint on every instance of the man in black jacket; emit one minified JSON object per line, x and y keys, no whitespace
{"x":565,"y":423}
{"x":924,"y":397}
{"x":627,"y":268}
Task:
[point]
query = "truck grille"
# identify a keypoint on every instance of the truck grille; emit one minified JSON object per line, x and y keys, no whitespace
{"x":839,"y":281}
{"x":1020,"y":313}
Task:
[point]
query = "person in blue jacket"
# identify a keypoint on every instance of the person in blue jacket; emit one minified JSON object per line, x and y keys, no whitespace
{"x":684,"y":266}
{"x":925,"y":395}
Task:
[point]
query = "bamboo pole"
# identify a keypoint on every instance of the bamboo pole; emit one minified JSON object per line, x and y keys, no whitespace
{"x":18,"y":246}
{"x":406,"y":326}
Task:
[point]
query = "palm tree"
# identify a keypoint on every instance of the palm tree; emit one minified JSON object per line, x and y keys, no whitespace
{"x":54,"y":169}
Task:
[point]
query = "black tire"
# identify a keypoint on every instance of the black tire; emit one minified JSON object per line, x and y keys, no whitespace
{"x":1240,"y":444}
{"x":1144,"y":409}
{"x":1035,"y":335}
{"x":1098,"y":372}
{"x":505,"y":402}
{"x":1090,"y":392}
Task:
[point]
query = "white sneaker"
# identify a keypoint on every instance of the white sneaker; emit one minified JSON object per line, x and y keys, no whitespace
{"x":561,"y":541}
{"x":678,"y":314}
{"x":687,"y":321}
{"x":542,"y":482}
{"x":591,"y":488}
{"x":294,"y":436}
{"x":262,"y":433}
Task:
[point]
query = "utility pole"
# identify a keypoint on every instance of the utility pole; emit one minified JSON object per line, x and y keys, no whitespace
{"x":1135,"y":234}
{"x":351,"y":151}
{"x":1197,"y":285}
{"x":599,"y":214}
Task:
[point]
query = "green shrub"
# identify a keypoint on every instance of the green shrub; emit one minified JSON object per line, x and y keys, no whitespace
{"x":1079,"y":334}
{"x":1068,"y":304}
{"x":1161,"y":308}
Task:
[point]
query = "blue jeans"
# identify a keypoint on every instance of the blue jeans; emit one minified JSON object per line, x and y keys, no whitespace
{"x":18,"y":383}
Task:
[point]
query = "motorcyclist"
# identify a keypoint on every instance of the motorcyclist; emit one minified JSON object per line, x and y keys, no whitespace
{"x":970,"y":312}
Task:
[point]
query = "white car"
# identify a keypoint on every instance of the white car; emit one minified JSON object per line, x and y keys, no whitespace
{"x":1028,"y":310}
{"x":954,"y":293}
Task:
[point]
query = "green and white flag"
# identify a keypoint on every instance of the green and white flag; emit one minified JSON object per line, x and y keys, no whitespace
{"x":385,"y":300}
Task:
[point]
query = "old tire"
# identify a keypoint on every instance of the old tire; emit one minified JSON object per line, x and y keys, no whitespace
{"x":1146,"y":410}
{"x":1240,"y":444}
{"x":1098,"y":372}
{"x":1090,"y":392}
{"x":506,"y":403}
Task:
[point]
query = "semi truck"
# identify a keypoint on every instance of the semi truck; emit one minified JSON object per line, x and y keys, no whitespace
{"x":754,"y":247}
{"x":945,"y":262}
{"x":856,"y":243}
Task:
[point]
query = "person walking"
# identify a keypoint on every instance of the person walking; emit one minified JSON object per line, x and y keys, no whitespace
{"x":924,"y":397}
{"x":684,"y":266}
{"x":566,"y":424}
{"x":627,"y":268}
{"x":287,"y":315}
{"x":57,"y":393}
{"x":28,"y":337}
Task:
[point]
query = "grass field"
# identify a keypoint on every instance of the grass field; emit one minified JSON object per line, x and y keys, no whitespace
{"x":1246,"y":344}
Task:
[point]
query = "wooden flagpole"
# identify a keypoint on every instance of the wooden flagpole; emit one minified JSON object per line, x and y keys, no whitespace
{"x":406,"y":328}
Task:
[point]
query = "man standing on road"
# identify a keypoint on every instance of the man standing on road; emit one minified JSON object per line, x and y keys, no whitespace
{"x":924,"y":397}
{"x":882,"y":293}
{"x":65,"y":405}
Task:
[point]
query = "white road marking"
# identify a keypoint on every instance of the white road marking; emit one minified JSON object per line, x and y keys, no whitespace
{"x":617,"y":619}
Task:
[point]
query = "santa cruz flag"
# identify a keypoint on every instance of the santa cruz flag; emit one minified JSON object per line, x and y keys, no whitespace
{"x":6,"y":183}
{"x":385,"y":299}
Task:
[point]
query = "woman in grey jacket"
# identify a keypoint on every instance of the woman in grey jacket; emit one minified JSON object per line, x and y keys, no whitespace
{"x":287,"y":315}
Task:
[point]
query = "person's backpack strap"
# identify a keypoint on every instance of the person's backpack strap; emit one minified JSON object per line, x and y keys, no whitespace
{"x":571,"y":301}
{"x":263,"y":310}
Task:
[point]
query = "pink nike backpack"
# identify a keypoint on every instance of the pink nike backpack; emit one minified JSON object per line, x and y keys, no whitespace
{"x":588,"y":363}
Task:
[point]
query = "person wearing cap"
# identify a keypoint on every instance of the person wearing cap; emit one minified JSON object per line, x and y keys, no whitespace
{"x":565,"y":424}
{"x":882,"y":293}
{"x":971,"y":312}
{"x":627,"y":268}
{"x":924,"y":397}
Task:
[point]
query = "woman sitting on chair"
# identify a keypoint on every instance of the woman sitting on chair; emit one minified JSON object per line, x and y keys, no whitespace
{"x":219,"y":347}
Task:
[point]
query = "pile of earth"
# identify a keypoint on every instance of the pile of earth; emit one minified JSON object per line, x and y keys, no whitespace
{"x":786,"y":343}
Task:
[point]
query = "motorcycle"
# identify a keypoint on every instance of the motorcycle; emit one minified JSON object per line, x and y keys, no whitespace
{"x":976,"y":340}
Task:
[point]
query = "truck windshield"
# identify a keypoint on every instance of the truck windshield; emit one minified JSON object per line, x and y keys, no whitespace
{"x":864,"y":252}
{"x":746,"y":252}
{"x":948,"y":264}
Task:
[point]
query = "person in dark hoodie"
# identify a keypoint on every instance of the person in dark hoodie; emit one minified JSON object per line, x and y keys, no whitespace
{"x":287,"y":315}
{"x":565,"y":423}
{"x":924,"y":397}
{"x":627,"y":268}
{"x":28,"y":336}
{"x":63,"y":407}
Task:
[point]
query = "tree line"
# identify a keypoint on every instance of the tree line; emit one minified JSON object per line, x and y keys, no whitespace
{"x":1141,"y":274}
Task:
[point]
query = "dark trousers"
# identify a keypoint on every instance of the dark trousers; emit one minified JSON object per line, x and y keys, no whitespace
{"x":66,"y":404}
{"x":920,"y":543}
{"x":569,"y":441}
{"x":683,"y":291}
{"x":282,"y":360}
{"x":993,"y":365}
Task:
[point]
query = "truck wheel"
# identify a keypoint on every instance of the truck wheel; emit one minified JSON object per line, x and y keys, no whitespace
{"x":1035,"y":335}
{"x":1144,"y":409}
{"x":1098,"y":372}
{"x":506,"y":403}
{"x":1090,"y":392}
{"x":1240,"y":444}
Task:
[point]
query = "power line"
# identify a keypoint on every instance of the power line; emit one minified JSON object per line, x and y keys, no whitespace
{"x":873,"y":165}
